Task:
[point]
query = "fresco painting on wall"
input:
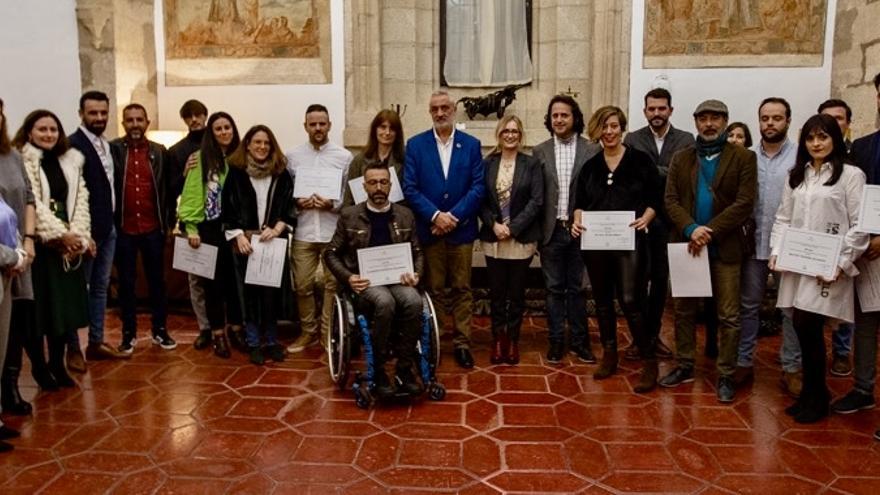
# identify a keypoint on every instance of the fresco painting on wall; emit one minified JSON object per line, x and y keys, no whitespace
{"x":734,"y":33}
{"x":221,"y":42}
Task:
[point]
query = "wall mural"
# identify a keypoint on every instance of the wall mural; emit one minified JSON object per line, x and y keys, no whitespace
{"x":222,"y":42}
{"x":734,"y":33}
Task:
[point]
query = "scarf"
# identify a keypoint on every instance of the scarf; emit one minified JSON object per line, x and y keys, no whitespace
{"x":258,"y":170}
{"x":709,"y":148}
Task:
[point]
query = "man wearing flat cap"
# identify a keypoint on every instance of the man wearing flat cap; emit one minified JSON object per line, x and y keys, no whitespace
{"x":710,"y":193}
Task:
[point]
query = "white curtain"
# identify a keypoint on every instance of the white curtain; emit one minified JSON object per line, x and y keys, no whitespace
{"x":486,"y":43}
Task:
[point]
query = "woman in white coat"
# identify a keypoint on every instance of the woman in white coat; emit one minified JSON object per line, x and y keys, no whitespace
{"x":822,"y":194}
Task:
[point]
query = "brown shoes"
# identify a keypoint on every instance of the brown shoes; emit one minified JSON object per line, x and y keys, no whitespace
{"x":75,"y":360}
{"x":102,"y":351}
{"x":792,"y":383}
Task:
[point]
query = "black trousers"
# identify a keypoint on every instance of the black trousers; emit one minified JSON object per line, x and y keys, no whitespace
{"x":620,"y":273}
{"x":658,"y":269}
{"x":222,"y":295}
{"x":23,"y":336}
{"x":810,"y":330}
{"x":507,"y":295}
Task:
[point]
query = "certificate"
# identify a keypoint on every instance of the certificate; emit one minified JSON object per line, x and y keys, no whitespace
{"x":201,"y":261}
{"x":689,"y":274}
{"x":383,"y":265}
{"x":608,"y":231}
{"x":869,"y":211}
{"x":357,"y":189}
{"x":868,"y":285}
{"x":265,"y":265}
{"x":323,"y":181}
{"x":809,"y":253}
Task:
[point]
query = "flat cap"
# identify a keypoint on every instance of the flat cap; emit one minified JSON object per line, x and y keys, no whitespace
{"x":713,"y":106}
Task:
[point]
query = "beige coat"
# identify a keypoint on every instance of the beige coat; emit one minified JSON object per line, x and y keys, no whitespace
{"x":831,"y":210}
{"x":49,"y":226}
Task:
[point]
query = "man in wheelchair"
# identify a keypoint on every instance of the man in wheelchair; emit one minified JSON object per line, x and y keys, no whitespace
{"x":379,"y":222}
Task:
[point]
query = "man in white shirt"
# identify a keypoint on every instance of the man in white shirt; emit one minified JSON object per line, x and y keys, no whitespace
{"x":316,"y":223}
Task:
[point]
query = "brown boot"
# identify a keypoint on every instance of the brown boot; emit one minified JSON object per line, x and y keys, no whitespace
{"x":648,"y":378}
{"x":608,"y":365}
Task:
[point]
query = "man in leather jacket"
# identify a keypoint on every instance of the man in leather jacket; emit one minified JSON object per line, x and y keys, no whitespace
{"x":378,"y":222}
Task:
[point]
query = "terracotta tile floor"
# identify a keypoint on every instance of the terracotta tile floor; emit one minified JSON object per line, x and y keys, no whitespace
{"x":185,"y":422}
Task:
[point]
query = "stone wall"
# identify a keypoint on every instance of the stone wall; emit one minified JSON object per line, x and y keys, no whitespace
{"x":392,"y":58}
{"x":856,"y":60}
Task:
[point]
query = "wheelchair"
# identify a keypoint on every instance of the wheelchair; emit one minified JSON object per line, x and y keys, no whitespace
{"x":350,"y":331}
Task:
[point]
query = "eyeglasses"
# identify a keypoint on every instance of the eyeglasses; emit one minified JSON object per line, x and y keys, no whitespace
{"x":378,"y":182}
{"x":509,"y":131}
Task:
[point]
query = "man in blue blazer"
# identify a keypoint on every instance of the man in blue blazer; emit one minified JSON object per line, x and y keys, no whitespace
{"x":443,"y":183}
{"x":98,"y":172}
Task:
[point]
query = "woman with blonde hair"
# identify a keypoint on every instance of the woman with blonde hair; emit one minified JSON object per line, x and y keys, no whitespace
{"x":510,"y":231}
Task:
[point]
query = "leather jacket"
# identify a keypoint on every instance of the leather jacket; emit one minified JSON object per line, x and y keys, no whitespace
{"x":353,"y":232}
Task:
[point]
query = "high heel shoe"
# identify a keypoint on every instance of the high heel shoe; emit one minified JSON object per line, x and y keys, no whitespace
{"x":513,"y":353}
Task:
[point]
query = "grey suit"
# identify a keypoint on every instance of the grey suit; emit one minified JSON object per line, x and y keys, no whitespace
{"x":561,"y":261}
{"x":658,"y":234}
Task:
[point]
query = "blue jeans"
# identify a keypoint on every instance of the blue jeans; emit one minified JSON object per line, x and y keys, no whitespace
{"x":842,"y":339}
{"x":790,"y":351}
{"x":753,"y":287}
{"x":97,"y":271}
{"x":563,"y":270}
{"x":865,"y":355}
{"x":151,"y":247}
{"x":252,"y":333}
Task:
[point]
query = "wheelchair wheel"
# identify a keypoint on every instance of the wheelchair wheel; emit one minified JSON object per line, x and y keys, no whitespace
{"x":431,"y":314}
{"x":338,"y":349}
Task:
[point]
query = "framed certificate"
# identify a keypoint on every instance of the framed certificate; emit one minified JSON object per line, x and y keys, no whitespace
{"x":323,"y":181}
{"x":383,"y":265}
{"x":608,"y":231}
{"x":809,"y":253}
{"x":201,"y":261}
{"x":869,"y":211}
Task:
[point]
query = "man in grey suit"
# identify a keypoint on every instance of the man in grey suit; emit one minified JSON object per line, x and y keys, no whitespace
{"x":660,"y":141}
{"x":563,"y":156}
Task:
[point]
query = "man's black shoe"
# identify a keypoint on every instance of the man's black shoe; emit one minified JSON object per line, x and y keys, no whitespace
{"x":676,"y":377}
{"x":6,"y":433}
{"x":584,"y":354}
{"x":726,"y":390}
{"x":407,"y":382}
{"x":5,"y":447}
{"x":463,"y":358}
{"x":381,"y":385}
{"x":554,"y":354}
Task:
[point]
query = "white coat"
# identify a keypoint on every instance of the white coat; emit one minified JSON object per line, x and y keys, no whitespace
{"x":828,"y":209}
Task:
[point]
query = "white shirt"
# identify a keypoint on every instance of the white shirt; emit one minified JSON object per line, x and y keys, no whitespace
{"x":831,"y":210}
{"x":658,"y":139}
{"x":102,"y":147}
{"x":445,"y":151}
{"x":314,"y":225}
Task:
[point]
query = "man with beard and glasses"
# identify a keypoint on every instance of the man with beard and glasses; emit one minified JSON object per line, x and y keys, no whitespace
{"x":709,"y":192}
{"x":316,"y":221}
{"x":378,"y":222}
{"x":99,"y":172}
{"x":776,"y":155}
{"x":142,"y":188}
{"x":659,"y":140}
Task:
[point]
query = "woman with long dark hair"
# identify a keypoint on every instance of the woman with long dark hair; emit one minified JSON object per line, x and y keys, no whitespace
{"x":510,"y":231}
{"x":385,"y":144}
{"x":823,"y":194}
{"x":199,"y":212}
{"x":620,"y":178}
{"x":63,"y":231}
{"x":258,"y":200}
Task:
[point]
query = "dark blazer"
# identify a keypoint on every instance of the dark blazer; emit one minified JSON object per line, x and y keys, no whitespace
{"x":865,"y":152}
{"x":353,"y":232}
{"x":526,"y":199}
{"x":239,"y":209}
{"x":460,"y":193}
{"x":675,"y":140}
{"x":733,"y":197}
{"x":100,"y":189}
{"x":158,"y":163}
{"x":546,"y":154}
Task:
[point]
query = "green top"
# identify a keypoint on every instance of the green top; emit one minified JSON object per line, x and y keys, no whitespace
{"x":192,"y":201}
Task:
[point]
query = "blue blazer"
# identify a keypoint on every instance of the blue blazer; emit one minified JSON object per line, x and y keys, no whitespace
{"x":427,"y":191}
{"x":100,"y":199}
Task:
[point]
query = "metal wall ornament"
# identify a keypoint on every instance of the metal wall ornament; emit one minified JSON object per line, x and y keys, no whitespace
{"x":486,"y":105}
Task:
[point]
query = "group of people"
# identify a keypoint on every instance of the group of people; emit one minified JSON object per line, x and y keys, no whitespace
{"x":70,"y":206}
